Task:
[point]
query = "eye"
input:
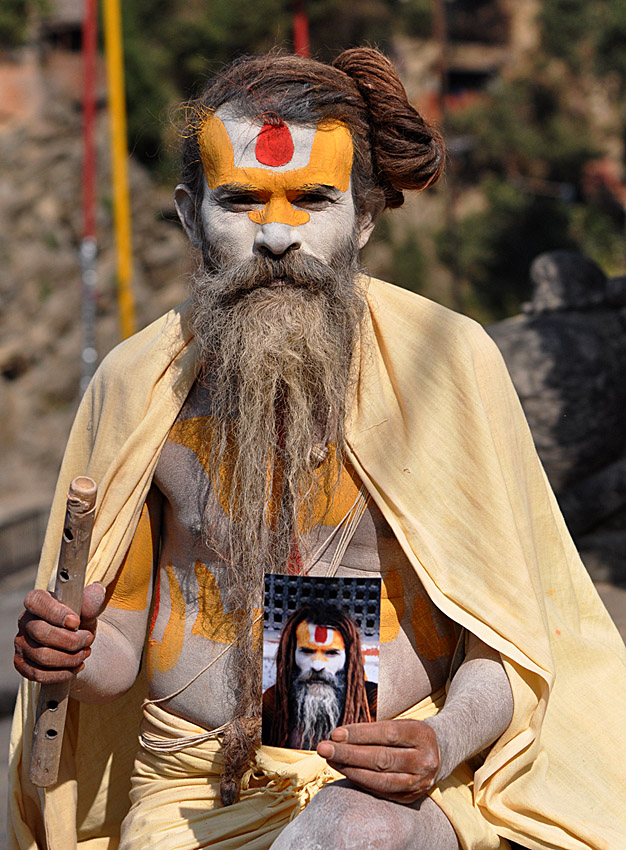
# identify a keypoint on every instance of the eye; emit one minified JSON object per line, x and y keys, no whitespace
{"x":332,"y":652}
{"x":305,"y":651}
{"x":241,"y":201}
{"x":312,"y":199}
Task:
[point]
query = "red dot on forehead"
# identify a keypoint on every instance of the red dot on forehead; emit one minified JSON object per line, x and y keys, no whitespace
{"x":274,"y":145}
{"x":321,"y":634}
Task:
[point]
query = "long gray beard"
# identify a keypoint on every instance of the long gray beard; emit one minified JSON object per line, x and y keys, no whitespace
{"x":277,"y":359}
{"x":319,"y":708}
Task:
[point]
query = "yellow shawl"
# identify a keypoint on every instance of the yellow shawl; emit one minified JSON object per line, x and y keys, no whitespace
{"x":438,"y":437}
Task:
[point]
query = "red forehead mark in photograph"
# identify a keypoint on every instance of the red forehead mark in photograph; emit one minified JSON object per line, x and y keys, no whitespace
{"x":321,"y":634}
{"x":274,"y":145}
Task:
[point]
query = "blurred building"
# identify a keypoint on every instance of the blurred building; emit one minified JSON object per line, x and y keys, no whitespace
{"x":473,"y":43}
{"x":47,"y":70}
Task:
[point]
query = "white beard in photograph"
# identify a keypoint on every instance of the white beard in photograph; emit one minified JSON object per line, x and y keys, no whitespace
{"x":319,"y":702}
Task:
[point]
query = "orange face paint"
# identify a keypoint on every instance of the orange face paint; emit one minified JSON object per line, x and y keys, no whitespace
{"x":319,"y":649}
{"x":319,"y":639}
{"x":276,"y":162}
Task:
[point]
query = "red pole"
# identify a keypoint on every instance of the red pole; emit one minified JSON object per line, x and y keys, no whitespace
{"x":89,"y":118}
{"x":88,"y":247}
{"x":301,"y":46}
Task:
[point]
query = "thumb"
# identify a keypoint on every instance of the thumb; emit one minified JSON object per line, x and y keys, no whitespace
{"x":94,"y":598}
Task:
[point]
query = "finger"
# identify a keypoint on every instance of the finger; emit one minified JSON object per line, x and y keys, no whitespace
{"x":47,"y":658}
{"x":388,"y":785}
{"x":42,"y":604}
{"x":381,"y":759}
{"x":57,"y":638}
{"x":94,"y":600}
{"x":389,"y":733}
{"x":44,"y":676}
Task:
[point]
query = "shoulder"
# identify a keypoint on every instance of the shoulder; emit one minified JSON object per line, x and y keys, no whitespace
{"x":136,"y":365}
{"x":158,"y":336}
{"x":424,"y":330}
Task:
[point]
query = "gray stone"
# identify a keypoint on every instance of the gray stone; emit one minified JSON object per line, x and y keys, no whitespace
{"x":567,"y":358}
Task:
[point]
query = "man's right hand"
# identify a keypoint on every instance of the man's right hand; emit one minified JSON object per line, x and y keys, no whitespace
{"x":52,"y":642}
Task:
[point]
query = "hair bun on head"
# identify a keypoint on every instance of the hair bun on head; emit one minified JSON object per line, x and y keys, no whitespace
{"x":407,"y":152}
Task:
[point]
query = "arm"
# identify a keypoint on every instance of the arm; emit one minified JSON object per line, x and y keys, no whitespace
{"x":478,"y":708}
{"x":101,"y":652}
{"x":402,"y":759}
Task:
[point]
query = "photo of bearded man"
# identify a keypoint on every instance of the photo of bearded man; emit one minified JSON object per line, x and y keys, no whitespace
{"x":320,"y":679}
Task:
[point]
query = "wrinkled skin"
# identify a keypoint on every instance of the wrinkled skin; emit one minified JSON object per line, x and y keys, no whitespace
{"x":394,"y":759}
{"x":53,"y":642}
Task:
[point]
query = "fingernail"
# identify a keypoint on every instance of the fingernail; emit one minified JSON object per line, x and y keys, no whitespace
{"x":339,"y":734}
{"x":71,"y":622}
{"x":325,"y":749}
{"x":87,"y":652}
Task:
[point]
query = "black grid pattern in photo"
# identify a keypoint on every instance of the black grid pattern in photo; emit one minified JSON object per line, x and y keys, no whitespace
{"x":358,"y":597}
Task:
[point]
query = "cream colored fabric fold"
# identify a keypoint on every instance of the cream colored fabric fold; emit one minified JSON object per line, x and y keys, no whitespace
{"x":175,"y":802}
{"x":439,"y":439}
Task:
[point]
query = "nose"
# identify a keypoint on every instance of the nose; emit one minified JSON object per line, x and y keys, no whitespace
{"x":318,"y":664}
{"x":276,"y":237}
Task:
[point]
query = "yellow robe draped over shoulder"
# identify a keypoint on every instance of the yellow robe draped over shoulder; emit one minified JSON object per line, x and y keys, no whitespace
{"x":438,"y":436}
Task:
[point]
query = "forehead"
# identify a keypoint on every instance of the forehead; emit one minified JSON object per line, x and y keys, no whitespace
{"x":311,"y":636}
{"x":238,"y":150}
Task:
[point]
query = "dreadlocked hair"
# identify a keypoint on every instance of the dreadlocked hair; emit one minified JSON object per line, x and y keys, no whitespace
{"x":357,"y":708}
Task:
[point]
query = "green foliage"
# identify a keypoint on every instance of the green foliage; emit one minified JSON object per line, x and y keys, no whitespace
{"x":565,"y":25}
{"x":611,"y":42}
{"x":531,"y":143}
{"x":12,"y":22}
{"x":497,"y":245}
{"x":409,"y":265}
{"x":526,"y":127}
{"x":597,"y":235}
{"x":415,"y":18}
{"x":14,"y":16}
{"x":584,"y":34}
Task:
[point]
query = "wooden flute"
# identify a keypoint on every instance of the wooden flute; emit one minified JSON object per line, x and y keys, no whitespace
{"x":70,"y":580}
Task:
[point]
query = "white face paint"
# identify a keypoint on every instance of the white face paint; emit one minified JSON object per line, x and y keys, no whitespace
{"x":319,"y":648}
{"x":275,"y":187}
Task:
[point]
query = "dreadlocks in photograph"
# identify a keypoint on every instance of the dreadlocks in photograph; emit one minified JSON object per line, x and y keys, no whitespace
{"x":320,"y":679}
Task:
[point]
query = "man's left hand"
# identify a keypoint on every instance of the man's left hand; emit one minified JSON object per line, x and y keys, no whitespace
{"x":394,"y":759}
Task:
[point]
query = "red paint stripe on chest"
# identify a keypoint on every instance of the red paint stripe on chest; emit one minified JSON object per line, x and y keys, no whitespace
{"x":274,"y":145}
{"x":157,"y":601}
{"x":321,"y":634}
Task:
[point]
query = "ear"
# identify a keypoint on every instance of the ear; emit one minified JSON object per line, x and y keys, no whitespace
{"x":370,"y":213}
{"x":186,"y":209}
{"x":366,"y":225}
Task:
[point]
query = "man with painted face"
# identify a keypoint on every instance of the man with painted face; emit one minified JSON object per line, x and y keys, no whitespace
{"x":297,"y":416}
{"x":320,"y":679}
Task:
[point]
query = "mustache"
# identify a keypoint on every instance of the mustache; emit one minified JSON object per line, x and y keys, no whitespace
{"x":293,"y":268}
{"x":318,"y":677}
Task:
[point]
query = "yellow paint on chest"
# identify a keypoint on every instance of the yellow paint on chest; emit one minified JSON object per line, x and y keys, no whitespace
{"x":131,"y":586}
{"x":196,"y":434}
{"x":163,"y":655}
{"x":212,"y":622}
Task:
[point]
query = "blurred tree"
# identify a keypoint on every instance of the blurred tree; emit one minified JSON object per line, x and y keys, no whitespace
{"x":533,"y":140}
{"x":15,"y":16}
{"x":497,"y":245}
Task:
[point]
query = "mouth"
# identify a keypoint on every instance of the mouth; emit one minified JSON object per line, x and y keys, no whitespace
{"x":279,"y":282}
